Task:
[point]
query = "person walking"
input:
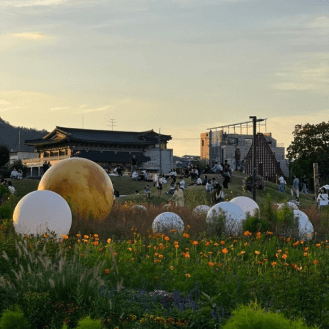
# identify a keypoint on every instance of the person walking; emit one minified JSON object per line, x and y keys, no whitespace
{"x":133,"y":164}
{"x":304,"y":189}
{"x":159,"y":185}
{"x":295,"y":187}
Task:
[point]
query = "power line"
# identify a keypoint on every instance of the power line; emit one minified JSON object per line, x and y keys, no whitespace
{"x":112,"y":123}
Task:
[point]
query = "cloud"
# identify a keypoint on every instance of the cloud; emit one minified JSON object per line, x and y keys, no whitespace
{"x":83,"y":105}
{"x":59,"y":108}
{"x":30,"y":3}
{"x":97,"y":109}
{"x":3,"y":102}
{"x":311,"y":72}
{"x":4,"y":110}
{"x":30,"y":35}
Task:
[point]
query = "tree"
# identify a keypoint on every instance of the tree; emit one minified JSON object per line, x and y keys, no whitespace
{"x":310,"y":145}
{"x":4,"y":155}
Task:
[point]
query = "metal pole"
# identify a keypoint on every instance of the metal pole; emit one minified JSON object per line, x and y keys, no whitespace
{"x":254,"y":119}
{"x":160,"y":152}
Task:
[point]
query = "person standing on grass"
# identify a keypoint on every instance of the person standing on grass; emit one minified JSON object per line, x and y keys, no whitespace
{"x":295,"y":187}
{"x":281,"y":184}
{"x":178,"y":197}
{"x":133,"y":164}
{"x":159,"y":185}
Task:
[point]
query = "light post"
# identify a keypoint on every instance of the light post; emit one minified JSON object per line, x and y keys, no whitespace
{"x":254,"y":120}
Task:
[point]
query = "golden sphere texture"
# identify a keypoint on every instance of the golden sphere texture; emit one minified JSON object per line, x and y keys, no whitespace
{"x":83,"y":184}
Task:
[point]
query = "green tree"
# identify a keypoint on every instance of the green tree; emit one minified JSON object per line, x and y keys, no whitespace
{"x":310,"y":144}
{"x":4,"y":155}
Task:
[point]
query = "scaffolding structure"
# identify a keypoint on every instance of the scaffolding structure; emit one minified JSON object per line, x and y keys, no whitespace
{"x":242,"y":125}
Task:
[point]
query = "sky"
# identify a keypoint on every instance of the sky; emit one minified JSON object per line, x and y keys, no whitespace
{"x":181,"y":66}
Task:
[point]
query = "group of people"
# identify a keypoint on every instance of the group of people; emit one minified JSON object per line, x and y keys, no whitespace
{"x":16,"y":174}
{"x":297,"y":186}
{"x":141,"y":175}
{"x":8,"y":185}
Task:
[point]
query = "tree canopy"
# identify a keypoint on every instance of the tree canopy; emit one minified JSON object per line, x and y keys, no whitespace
{"x":4,"y":155}
{"x":310,"y":145}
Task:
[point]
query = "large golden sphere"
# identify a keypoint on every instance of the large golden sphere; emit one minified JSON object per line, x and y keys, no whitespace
{"x":83,"y":184}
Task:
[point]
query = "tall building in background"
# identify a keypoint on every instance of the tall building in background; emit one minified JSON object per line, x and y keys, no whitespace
{"x":226,"y":143}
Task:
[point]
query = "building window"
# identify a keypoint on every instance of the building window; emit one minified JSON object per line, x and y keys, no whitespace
{"x":202,"y":142}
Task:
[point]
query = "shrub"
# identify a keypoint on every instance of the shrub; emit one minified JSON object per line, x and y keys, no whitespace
{"x":14,"y":318}
{"x":248,"y":184}
{"x":253,"y":317}
{"x":88,"y":323}
{"x":256,"y":224}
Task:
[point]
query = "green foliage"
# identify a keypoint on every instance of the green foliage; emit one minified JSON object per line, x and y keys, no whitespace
{"x":4,"y":155}
{"x":193,"y":197}
{"x":14,"y":318}
{"x":310,"y":145}
{"x":88,"y":323}
{"x":256,"y":223}
{"x":253,"y":317}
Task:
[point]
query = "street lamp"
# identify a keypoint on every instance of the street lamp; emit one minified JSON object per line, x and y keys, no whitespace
{"x":254,"y":120}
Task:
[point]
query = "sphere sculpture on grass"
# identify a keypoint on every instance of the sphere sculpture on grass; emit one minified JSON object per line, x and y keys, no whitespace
{"x":42,"y":211}
{"x":305,"y":227}
{"x":167,"y":221}
{"x":248,"y":205}
{"x":234,"y":216}
{"x":290,"y":205}
{"x":83,"y":184}
{"x":202,"y":209}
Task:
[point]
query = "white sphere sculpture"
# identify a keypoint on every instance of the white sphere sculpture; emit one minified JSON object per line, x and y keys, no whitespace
{"x":234,"y":216}
{"x":139,"y":207}
{"x":305,"y":227}
{"x":167,"y":221}
{"x":248,"y":205}
{"x":41,"y":210}
{"x":290,"y":205}
{"x":201,"y":209}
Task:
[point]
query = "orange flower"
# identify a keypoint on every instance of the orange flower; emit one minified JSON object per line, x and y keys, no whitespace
{"x":224,"y":251}
{"x":171,"y":267}
{"x":207,"y":244}
{"x":86,"y":236}
{"x":176,"y":246}
{"x":258,"y":234}
{"x":318,"y":245}
{"x":315,"y":262}
{"x":108,"y":241}
{"x":245,"y":244}
{"x":273,"y":264}
{"x":188,"y":226}
{"x":160,"y":256}
{"x":279,"y":251}
{"x":288,"y":239}
{"x":172,"y":230}
{"x":211,"y":264}
{"x":65,"y":237}
{"x":175,"y":242}
{"x":295,"y":244}
{"x":107,"y":271}
{"x":222,"y":243}
{"x":185,"y":235}
{"x":95,"y":235}
{"x":95,"y":243}
{"x":241,"y":252}
{"x":305,"y":254}
{"x":269,"y":233}
{"x":284,"y":256}
{"x":187,"y":255}
{"x":257,"y":252}
{"x":167,"y":238}
{"x":246,"y":233}
{"x":130,"y":249}
{"x":195,"y":242}
{"x":132,"y":259}
{"x":78,"y":235}
{"x":276,"y":255}
{"x":306,"y":249}
{"x":188,"y":275}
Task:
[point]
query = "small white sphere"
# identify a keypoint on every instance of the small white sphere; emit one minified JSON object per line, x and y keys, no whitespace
{"x":305,"y":227}
{"x":41,"y":210}
{"x":234,"y":216}
{"x":290,"y":205}
{"x":201,"y":209}
{"x":167,"y":221}
{"x":139,"y":207}
{"x":248,"y":205}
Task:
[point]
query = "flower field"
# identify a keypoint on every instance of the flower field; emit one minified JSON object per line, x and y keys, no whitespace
{"x":164,"y":280}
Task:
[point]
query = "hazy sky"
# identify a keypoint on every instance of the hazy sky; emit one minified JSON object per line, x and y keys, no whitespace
{"x":179,"y":65}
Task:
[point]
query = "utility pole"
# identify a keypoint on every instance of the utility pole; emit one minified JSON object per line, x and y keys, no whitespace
{"x":254,"y":120}
{"x":19,"y":139}
{"x":160,"y":152}
{"x":112,"y":123}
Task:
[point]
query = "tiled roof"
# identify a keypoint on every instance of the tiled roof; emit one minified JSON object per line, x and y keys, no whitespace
{"x":100,"y":136}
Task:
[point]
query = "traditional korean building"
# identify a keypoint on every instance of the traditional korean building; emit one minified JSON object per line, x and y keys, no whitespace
{"x":107,"y":148}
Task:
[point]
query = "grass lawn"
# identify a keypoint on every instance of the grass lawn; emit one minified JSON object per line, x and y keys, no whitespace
{"x":126,"y":186}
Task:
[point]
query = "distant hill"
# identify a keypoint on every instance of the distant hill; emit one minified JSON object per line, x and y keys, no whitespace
{"x":9,"y":136}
